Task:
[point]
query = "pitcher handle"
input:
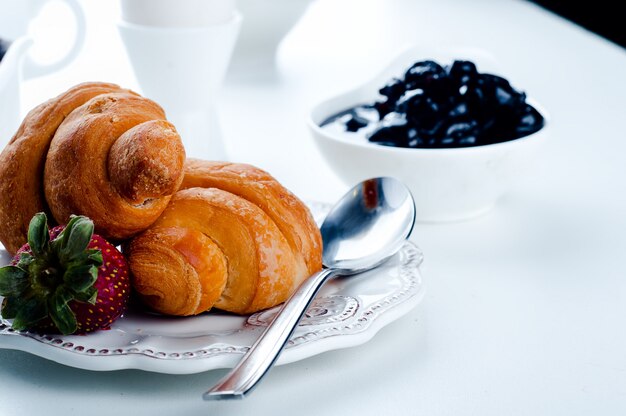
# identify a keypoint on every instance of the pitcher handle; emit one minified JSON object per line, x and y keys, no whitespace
{"x":33,"y":68}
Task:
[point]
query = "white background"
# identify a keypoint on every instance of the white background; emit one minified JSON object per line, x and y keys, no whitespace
{"x":525,"y":311}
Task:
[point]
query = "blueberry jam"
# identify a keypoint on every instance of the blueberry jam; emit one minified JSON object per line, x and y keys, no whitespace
{"x":433,"y":106}
{"x":4,"y":47}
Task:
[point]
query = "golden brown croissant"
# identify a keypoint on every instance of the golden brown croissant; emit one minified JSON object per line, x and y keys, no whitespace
{"x":96,"y":150}
{"x":235,"y":239}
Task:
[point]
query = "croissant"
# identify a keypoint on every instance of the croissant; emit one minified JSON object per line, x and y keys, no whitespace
{"x":234,"y":239}
{"x":96,"y":150}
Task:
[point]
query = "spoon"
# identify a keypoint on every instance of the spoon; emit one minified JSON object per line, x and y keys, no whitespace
{"x":366,"y":227}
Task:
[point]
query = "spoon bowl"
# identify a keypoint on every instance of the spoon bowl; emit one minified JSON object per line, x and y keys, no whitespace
{"x":367,"y":226}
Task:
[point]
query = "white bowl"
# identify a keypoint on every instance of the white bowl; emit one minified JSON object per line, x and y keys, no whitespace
{"x":448,"y":184}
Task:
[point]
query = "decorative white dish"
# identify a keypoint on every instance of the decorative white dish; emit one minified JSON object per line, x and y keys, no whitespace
{"x":447,"y":184}
{"x":346,"y":312}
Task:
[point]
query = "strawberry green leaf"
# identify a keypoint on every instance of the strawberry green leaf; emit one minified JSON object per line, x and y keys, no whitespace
{"x":81,"y":276}
{"x":13,"y":281}
{"x":38,"y":236}
{"x":25,"y":260}
{"x":75,"y":238}
{"x":9,"y":308}
{"x":95,"y":256}
{"x":90,"y":295}
{"x":29,"y":312}
{"x":60,"y":312}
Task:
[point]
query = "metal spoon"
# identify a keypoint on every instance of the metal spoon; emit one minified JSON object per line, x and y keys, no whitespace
{"x":365,"y":228}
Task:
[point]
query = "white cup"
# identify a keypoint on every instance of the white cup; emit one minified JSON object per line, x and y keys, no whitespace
{"x":265,"y":25}
{"x":17,"y":64}
{"x":177,"y":13}
{"x":180,"y":62}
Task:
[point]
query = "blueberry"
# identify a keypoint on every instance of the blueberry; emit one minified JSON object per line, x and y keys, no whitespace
{"x":461,"y":134}
{"x":462,"y":72}
{"x":423,"y":74}
{"x":459,"y":110}
{"x":353,"y":119}
{"x":492,"y":81}
{"x":355,"y":123}
{"x":479,"y":105}
{"x":394,"y":119}
{"x":419,"y":108}
{"x":384,"y":108}
{"x":530,"y":121}
{"x":495,"y":81}
{"x":393,"y":90}
{"x":413,"y":138}
{"x":394,"y":136}
{"x":392,"y":131}
{"x":501,"y":91}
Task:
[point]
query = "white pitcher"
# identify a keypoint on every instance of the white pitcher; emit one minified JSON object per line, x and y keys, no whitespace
{"x":17,"y":64}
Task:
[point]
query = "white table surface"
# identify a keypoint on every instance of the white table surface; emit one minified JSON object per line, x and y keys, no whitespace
{"x":525,"y":310}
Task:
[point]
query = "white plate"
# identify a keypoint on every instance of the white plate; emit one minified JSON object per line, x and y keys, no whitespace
{"x":347,"y":312}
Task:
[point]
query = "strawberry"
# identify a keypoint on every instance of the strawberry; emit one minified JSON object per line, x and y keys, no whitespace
{"x":65,"y":280}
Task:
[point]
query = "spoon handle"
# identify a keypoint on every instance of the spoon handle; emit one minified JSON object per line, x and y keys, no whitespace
{"x":260,"y":357}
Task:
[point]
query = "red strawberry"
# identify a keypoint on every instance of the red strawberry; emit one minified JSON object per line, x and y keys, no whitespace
{"x":67,"y":280}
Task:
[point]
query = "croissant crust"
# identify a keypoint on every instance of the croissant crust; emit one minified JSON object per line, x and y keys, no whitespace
{"x":97,"y":150}
{"x":229,"y":214}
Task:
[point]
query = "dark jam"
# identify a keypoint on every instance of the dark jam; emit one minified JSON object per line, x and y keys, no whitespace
{"x":433,"y":106}
{"x":4,"y":47}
